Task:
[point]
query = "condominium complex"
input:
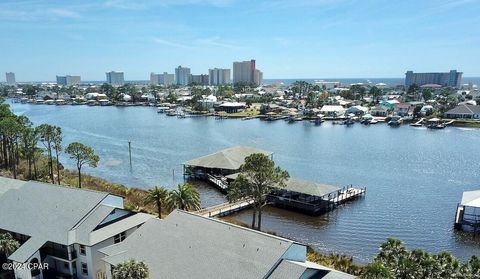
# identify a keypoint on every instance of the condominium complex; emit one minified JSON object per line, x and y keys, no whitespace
{"x":182,"y":75}
{"x":115,"y":78}
{"x":10,"y":78}
{"x":68,"y":80}
{"x":450,"y":79}
{"x":163,"y":79}
{"x":200,"y":79}
{"x":246,"y":71}
{"x":85,"y":234}
{"x":219,"y":76}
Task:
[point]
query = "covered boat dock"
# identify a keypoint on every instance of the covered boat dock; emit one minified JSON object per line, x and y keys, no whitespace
{"x":214,"y":167}
{"x":468,"y":211}
{"x":310,"y":197}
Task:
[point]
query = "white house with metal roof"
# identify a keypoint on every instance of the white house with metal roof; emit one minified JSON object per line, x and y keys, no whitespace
{"x":186,"y":245}
{"x":63,"y":227}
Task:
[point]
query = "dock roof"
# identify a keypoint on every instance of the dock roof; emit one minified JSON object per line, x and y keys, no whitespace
{"x":309,"y":188}
{"x":471,"y":198}
{"x":302,"y":186}
{"x":230,"y":158}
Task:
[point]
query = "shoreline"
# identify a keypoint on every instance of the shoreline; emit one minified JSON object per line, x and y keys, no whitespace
{"x":254,"y":114}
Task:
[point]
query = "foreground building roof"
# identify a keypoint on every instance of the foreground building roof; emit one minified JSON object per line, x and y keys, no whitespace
{"x":63,"y":215}
{"x":186,"y":245}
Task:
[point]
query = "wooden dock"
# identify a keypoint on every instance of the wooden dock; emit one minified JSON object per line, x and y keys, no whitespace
{"x":219,"y":181}
{"x":348,"y":194}
{"x":224,"y":209}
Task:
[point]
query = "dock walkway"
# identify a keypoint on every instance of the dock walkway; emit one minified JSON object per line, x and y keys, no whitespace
{"x":224,"y":208}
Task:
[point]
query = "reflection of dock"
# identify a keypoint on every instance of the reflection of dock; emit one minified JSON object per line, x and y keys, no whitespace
{"x":224,"y":209}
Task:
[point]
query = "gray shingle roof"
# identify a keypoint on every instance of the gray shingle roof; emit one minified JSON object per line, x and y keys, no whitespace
{"x":464,"y":109}
{"x":186,"y":245}
{"x":230,"y":158}
{"x":122,"y":225}
{"x":302,"y":186}
{"x":45,"y":212}
{"x":290,"y":269}
{"x":8,"y":184}
{"x":83,"y":229}
{"x":309,"y":188}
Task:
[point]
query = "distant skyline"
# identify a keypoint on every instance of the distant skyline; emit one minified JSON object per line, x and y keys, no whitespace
{"x":288,"y":39}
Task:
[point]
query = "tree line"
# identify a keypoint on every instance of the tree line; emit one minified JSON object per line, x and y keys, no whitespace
{"x":25,"y":147}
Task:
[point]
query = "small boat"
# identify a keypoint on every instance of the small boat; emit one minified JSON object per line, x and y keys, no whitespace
{"x":436,"y":126}
{"x":171,"y":112}
{"x":348,"y":122}
{"x":416,"y":125}
{"x":373,"y":121}
{"x":395,"y":121}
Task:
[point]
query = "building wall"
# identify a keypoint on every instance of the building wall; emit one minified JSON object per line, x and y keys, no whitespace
{"x":25,"y":273}
{"x":10,"y":78}
{"x":451,"y":79}
{"x":182,"y":75}
{"x":219,"y":76}
{"x":115,"y":78}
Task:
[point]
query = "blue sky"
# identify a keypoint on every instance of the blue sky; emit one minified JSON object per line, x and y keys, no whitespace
{"x":289,"y":39}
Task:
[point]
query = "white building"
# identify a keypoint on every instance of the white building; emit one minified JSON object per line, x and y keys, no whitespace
{"x":163,"y":79}
{"x":10,"y":78}
{"x":245,"y":71}
{"x":182,"y":75}
{"x":219,"y":76}
{"x":258,"y":77}
{"x":68,"y":80}
{"x":63,"y":227}
{"x":115,"y":78}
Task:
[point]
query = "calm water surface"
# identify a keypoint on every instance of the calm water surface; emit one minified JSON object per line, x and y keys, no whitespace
{"x":414,"y":176}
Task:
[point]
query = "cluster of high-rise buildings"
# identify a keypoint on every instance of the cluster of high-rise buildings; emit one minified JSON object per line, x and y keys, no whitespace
{"x":244,"y":71}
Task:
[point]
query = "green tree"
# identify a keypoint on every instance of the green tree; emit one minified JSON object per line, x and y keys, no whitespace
{"x":375,"y":92}
{"x":82,"y":155}
{"x":185,"y":197}
{"x":57,"y":147}
{"x":258,"y":176}
{"x":47,"y":134}
{"x":426,"y":94}
{"x":8,"y":244}
{"x":131,"y":269}
{"x":158,"y":196}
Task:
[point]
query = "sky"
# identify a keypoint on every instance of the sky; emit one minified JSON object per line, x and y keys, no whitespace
{"x":288,"y":39}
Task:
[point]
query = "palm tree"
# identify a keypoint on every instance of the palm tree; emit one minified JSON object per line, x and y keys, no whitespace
{"x":8,"y":244}
{"x":159,"y":196}
{"x":131,"y":269}
{"x":185,"y":198}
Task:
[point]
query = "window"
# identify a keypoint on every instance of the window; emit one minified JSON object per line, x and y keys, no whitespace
{"x":83,"y":250}
{"x":65,"y":265}
{"x":119,"y":237}
{"x":36,"y":271}
{"x":84,"y":269}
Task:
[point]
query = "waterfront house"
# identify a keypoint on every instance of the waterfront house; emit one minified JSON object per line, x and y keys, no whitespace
{"x":403,"y":109}
{"x":62,"y":226}
{"x":185,"y":245}
{"x":464,"y":111}
{"x":357,"y":110}
{"x":231,"y":107}
{"x":379,"y":111}
{"x":332,"y":110}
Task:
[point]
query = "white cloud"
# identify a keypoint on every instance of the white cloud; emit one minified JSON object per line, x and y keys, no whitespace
{"x":169,"y":43}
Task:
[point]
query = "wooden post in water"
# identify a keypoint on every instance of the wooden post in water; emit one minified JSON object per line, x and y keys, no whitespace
{"x":130,"y":152}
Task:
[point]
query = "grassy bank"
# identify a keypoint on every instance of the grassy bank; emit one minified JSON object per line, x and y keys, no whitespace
{"x":134,"y":197}
{"x":466,"y":123}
